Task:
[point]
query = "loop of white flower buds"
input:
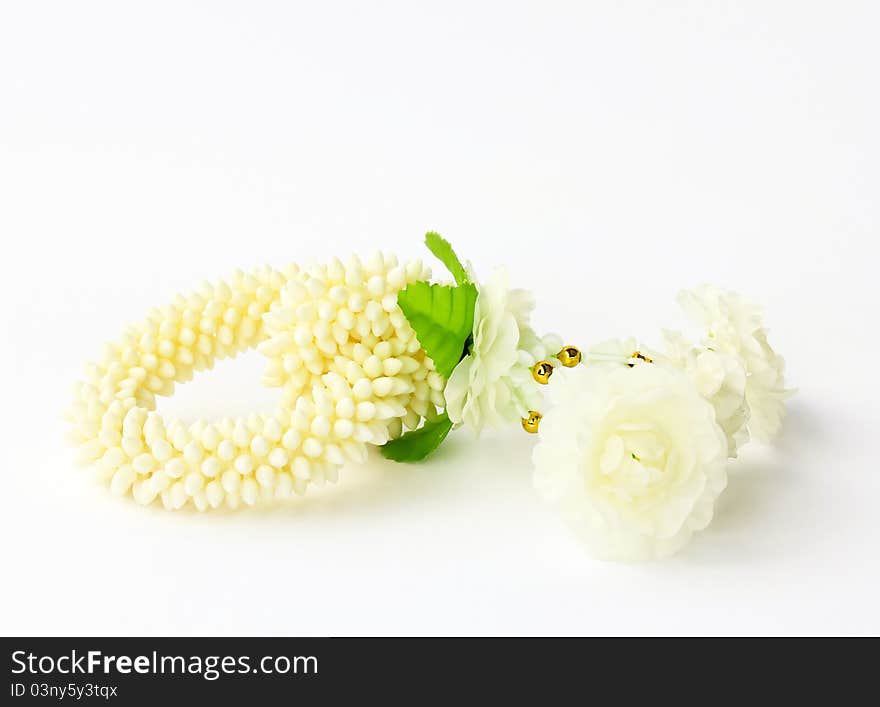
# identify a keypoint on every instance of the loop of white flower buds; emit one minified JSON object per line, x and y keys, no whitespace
{"x":349,"y":364}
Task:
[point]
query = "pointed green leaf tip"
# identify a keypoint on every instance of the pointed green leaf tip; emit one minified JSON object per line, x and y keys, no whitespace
{"x":442,"y":317}
{"x":441,"y":248}
{"x":416,"y":445}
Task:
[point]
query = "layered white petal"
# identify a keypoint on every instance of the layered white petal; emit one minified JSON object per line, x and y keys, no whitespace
{"x":720,"y":377}
{"x":735,"y":326}
{"x":493,"y":384}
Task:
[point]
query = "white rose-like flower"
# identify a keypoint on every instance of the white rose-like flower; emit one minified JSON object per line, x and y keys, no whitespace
{"x":633,"y":457}
{"x":735,"y":326}
{"x":493,"y":385}
{"x":721,"y":379}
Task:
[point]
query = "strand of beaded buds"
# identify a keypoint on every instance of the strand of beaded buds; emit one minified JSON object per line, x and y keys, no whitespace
{"x":569,"y":356}
{"x":350,"y":366}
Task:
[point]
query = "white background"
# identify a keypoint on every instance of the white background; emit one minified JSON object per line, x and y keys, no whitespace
{"x":607,"y":153}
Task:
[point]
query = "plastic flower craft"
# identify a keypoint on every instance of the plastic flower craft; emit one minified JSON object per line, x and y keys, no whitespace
{"x":735,"y":326}
{"x":493,"y":383}
{"x":720,"y":377}
{"x":634,"y":458}
{"x":372,"y":353}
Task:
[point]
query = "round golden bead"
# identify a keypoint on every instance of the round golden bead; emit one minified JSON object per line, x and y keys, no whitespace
{"x":530,"y":423}
{"x":570,"y":356}
{"x":542,"y":371}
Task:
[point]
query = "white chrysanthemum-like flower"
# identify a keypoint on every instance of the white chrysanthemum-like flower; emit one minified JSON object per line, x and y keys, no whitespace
{"x":721,"y":379}
{"x":633,"y":457}
{"x":493,"y":384}
{"x":735,"y":326}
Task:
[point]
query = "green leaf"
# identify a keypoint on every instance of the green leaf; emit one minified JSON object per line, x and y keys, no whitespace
{"x":440,"y":247}
{"x":442,"y":317}
{"x":418,"y":444}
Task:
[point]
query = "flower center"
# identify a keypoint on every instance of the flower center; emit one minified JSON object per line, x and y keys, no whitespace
{"x":633,"y":460}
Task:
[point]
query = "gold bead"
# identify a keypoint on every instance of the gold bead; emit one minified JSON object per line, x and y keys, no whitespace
{"x":570,"y":356}
{"x":641,"y":356}
{"x":530,"y":423}
{"x":542,"y":371}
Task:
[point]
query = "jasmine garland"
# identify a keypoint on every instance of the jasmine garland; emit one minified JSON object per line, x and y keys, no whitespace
{"x":371,"y":352}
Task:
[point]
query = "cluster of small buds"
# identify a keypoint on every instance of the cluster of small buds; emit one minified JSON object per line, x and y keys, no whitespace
{"x":344,"y":319}
{"x":360,"y":391}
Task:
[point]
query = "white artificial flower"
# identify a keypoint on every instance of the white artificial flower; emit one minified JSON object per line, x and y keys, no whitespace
{"x":735,"y":326}
{"x":493,"y":384}
{"x":719,"y":377}
{"x":632,"y":456}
